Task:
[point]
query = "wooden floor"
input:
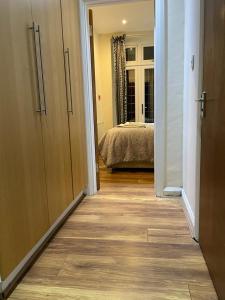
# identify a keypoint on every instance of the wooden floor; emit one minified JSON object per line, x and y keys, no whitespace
{"x":122,"y":243}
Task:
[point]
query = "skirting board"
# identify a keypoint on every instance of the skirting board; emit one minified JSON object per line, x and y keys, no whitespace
{"x":10,"y":282}
{"x":188,"y":212}
{"x":172,"y":191}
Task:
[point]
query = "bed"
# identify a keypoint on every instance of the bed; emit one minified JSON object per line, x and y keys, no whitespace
{"x":129,"y":145}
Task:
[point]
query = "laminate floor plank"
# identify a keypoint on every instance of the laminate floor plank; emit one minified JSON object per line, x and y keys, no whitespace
{"x":122,"y":243}
{"x":39,"y":292}
{"x":198,"y":293}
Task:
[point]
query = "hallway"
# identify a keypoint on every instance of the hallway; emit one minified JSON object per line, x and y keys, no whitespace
{"x":122,"y":243}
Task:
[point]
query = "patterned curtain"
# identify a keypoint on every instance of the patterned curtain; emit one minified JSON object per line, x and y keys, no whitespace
{"x":120,"y":80}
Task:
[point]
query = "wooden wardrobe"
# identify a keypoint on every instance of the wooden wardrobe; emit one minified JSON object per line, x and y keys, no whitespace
{"x":42,"y":136}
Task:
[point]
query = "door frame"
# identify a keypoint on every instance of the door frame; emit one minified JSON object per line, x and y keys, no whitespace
{"x":160,"y":38}
{"x":199,"y":122}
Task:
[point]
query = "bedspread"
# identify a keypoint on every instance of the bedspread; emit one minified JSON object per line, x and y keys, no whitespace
{"x":126,"y":144}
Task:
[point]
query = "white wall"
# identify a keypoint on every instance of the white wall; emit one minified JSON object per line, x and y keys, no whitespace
{"x":192,"y":90}
{"x":174,"y":93}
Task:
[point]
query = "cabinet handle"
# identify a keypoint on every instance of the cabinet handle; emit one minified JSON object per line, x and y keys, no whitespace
{"x":33,"y":28}
{"x":68,"y":78}
{"x":42,"y":74}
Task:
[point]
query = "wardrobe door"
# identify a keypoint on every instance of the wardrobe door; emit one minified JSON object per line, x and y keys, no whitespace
{"x":23,"y":201}
{"x":74,"y":83}
{"x":47,"y":17}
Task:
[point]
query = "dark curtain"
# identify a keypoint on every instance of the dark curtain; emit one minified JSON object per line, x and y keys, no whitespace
{"x":120,"y":80}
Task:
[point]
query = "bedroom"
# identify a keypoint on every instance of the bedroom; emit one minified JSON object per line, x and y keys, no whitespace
{"x":123,"y":52}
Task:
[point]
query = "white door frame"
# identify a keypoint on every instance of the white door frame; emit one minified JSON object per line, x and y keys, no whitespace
{"x":160,"y":92}
{"x":198,"y":137}
{"x":142,"y":92}
{"x":137,"y":107}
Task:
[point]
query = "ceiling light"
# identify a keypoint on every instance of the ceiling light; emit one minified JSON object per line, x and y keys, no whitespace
{"x":124,"y":22}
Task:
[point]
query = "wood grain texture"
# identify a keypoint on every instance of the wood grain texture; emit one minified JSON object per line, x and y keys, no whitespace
{"x":47,"y":14}
{"x":23,"y":201}
{"x":94,"y":95}
{"x":122,"y":243}
{"x":75,"y":96}
{"x":212,"y":191}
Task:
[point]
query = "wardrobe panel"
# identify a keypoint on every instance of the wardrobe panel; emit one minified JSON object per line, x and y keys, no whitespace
{"x":23,"y":201}
{"x":73,"y":70}
{"x":47,"y":17}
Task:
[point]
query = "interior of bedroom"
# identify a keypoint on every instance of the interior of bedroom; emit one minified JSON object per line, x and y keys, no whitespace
{"x":123,"y":38}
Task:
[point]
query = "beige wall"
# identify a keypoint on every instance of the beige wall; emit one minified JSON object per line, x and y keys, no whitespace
{"x":103,"y":76}
{"x":142,"y":37}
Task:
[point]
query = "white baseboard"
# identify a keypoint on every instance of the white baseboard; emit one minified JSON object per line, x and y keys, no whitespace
{"x":188,"y":212}
{"x":170,"y":191}
{"x":15,"y":274}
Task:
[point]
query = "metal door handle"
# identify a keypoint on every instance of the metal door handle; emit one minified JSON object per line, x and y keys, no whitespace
{"x":202,"y":101}
{"x":33,"y":28}
{"x":202,"y":98}
{"x":42,"y":73}
{"x":68,"y":78}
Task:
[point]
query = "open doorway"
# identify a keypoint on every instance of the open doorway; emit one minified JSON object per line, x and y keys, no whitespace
{"x":122,"y":53}
{"x":168,"y":91}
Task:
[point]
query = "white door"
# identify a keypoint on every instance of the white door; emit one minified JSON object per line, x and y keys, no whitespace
{"x":132,"y":94}
{"x":140,"y":94}
{"x":147,"y":94}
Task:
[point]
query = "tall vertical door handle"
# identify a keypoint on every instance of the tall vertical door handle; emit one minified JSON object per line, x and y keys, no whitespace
{"x":33,"y":28}
{"x":43,"y":104}
{"x":68,"y":80}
